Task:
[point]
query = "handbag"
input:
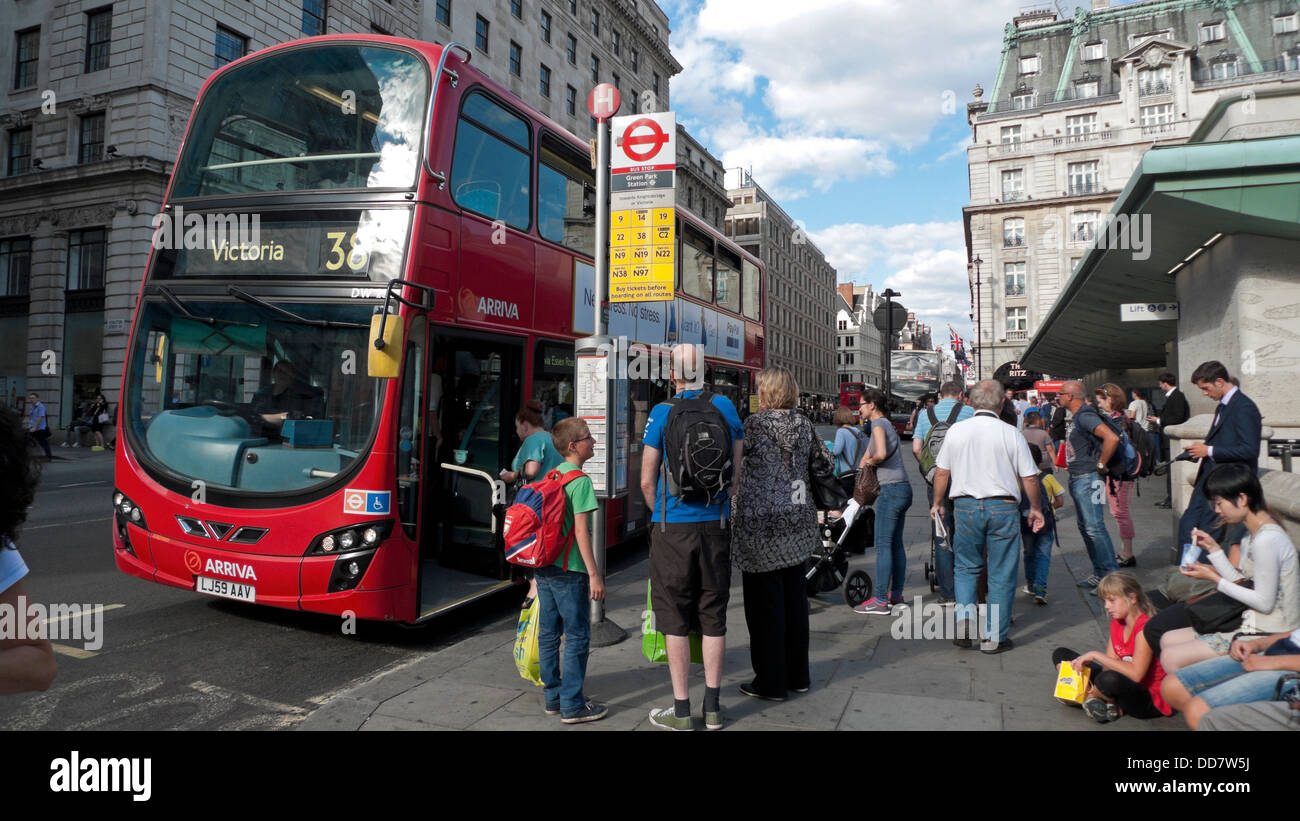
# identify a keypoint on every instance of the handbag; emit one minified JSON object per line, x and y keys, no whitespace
{"x":653,"y":644}
{"x":1216,"y":613}
{"x":827,"y":490}
{"x":866,"y":489}
{"x":103,"y":417}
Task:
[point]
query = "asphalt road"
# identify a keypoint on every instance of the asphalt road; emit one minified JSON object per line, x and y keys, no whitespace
{"x":174,"y":659}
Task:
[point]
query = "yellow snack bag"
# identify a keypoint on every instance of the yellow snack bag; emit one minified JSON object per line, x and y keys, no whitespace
{"x":1072,"y":687}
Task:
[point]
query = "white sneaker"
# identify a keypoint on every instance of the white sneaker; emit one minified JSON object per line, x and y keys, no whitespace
{"x":76,"y":444}
{"x":63,"y":444}
{"x":1026,"y":590}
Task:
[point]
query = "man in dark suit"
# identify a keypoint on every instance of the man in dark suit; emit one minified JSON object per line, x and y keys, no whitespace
{"x":1173,"y":412}
{"x":1234,"y":437}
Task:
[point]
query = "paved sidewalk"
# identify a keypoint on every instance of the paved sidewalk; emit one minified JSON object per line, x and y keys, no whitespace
{"x":863,"y":678}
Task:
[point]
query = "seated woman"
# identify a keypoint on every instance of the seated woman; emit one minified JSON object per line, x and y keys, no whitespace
{"x":1266,"y":556}
{"x":1249,"y":673}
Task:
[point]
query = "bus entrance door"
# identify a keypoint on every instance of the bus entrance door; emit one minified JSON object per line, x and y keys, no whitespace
{"x":474,"y":389}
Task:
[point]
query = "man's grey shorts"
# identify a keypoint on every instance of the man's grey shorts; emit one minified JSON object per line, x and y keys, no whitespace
{"x":690,"y":577}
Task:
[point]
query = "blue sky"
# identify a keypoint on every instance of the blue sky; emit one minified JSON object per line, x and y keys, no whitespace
{"x":852,"y":114}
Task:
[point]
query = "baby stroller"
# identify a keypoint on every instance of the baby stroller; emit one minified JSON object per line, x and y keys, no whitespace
{"x":828,"y":567}
{"x":939,"y":540}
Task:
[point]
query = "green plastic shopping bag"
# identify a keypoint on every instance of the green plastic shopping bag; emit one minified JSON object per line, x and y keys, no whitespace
{"x":653,"y":645}
{"x":527,"y":657}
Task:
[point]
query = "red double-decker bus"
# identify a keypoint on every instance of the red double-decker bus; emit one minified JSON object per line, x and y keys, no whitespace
{"x":851,"y":394}
{"x":272,"y":452}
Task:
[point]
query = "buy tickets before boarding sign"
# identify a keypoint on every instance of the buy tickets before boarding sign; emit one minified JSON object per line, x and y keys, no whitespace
{"x":642,"y":238}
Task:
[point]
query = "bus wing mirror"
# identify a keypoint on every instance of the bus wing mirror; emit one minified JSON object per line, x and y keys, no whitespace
{"x":385,"y":351}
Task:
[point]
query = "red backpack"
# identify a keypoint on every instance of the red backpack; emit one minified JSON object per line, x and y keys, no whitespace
{"x":533,"y":523}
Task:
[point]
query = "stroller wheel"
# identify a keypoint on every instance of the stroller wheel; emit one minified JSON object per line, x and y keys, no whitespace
{"x":934,"y":582}
{"x":929,"y":571}
{"x":857,"y":588}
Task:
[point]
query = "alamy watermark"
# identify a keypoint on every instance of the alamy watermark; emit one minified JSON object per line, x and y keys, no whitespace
{"x":54,"y":622}
{"x":936,"y":621}
{"x":229,"y":237}
{"x":635,"y":360}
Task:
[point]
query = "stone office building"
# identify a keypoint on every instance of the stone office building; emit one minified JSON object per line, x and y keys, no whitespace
{"x":859,"y":349}
{"x":96,"y":98}
{"x":1075,"y":105}
{"x":801,"y":296}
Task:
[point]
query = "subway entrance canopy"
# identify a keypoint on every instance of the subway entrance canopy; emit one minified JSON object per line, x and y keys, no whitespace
{"x":1178,"y":204}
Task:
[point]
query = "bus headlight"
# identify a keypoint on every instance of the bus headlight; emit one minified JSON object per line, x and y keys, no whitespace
{"x":343,"y":539}
{"x":370,"y":536}
{"x":347,"y":539}
{"x":348,"y":571}
{"x":125,"y":510}
{"x":327,"y":544}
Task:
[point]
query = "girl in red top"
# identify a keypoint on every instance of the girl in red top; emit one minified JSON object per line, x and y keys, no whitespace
{"x":1126,"y":678}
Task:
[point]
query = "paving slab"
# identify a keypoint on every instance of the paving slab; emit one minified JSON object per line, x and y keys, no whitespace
{"x":869,"y":710}
{"x":457,"y":707}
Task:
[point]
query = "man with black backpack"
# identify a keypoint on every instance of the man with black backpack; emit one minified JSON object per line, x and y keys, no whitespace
{"x":690,"y":466}
{"x":1089,"y":446}
{"x":927,"y":440}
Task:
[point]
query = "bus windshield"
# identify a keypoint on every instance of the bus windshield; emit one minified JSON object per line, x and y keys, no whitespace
{"x":326,"y":117}
{"x":249,"y":399}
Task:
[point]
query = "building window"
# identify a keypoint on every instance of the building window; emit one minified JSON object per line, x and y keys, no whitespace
{"x":15,"y":266}
{"x":1211,"y":32}
{"x":571,"y":51}
{"x":229,"y":47}
{"x":617,"y":82}
{"x":517,"y":9}
{"x":1013,"y":232}
{"x":1286,"y":24}
{"x":1155,"y":80}
{"x":481,"y":28}
{"x":1094,"y":51}
{"x":654,"y":84}
{"x":1016,"y":320}
{"x":1081,"y":124}
{"x":635,"y":100}
{"x":1224,"y":70}
{"x":516,"y":59}
{"x":1010,"y":135}
{"x":442,"y":11}
{"x":573,"y":7}
{"x":1014,"y":276}
{"x":86,"y":255}
{"x":546,"y":27}
{"x":20,"y":151}
{"x":1291,"y":62}
{"x":27,"y":47}
{"x":1083,"y":178}
{"x":571,"y":100}
{"x":1087,"y":89}
{"x":1013,"y":184}
{"x":1083,"y":225}
{"x":1157,"y":114}
{"x":313,"y":17}
{"x":595,"y":22}
{"x":92,"y":138}
{"x":545,"y":83}
{"x":1022,"y":101}
{"x":375,"y":28}
{"x":617,"y":43}
{"x":1029,"y":65}
{"x":99,"y":38}
{"x":595,"y":69}
{"x":1163,"y":34}
{"x":636,"y":61}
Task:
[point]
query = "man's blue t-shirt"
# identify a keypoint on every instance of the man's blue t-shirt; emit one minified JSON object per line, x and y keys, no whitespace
{"x":941,"y":411}
{"x":680,"y":510}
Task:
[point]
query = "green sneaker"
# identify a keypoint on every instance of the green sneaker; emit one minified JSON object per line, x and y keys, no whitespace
{"x":714,"y":719}
{"x":668,"y":720}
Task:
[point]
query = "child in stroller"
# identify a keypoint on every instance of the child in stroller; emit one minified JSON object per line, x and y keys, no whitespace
{"x":851,"y":531}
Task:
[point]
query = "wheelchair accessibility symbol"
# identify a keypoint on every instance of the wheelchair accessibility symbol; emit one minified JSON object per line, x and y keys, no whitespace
{"x":366,"y":502}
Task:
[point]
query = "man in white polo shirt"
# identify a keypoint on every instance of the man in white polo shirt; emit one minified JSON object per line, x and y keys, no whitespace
{"x":983,"y":466}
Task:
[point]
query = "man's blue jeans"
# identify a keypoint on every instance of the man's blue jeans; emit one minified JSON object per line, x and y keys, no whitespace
{"x":943,"y":559}
{"x":891,"y":558}
{"x":1089,"y":494}
{"x":563,"y":606}
{"x":991,"y":525}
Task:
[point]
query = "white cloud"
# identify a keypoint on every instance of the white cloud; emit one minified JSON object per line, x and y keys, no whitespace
{"x":926,"y":263}
{"x":880,"y":73}
{"x":825,"y":160}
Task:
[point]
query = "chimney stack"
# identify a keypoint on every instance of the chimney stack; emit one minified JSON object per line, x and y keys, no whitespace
{"x":1100,"y":4}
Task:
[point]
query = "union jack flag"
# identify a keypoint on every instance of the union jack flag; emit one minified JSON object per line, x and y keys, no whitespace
{"x":958,"y":349}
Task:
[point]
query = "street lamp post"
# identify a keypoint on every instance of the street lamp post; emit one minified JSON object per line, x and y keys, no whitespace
{"x":889,"y":295}
{"x":979,"y":316}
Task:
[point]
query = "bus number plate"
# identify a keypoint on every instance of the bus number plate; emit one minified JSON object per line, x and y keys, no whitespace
{"x":225,"y":589}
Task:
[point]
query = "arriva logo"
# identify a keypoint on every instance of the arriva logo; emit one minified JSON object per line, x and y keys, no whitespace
{"x":498,"y":308}
{"x":240,"y":571}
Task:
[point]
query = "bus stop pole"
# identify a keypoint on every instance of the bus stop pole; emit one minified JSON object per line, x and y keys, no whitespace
{"x":603,"y":631}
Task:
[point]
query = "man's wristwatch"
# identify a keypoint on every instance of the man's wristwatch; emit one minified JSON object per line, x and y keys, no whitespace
{"x":1101,"y":467}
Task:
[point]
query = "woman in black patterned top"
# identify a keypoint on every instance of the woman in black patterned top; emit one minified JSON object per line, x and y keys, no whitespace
{"x":774,"y":529}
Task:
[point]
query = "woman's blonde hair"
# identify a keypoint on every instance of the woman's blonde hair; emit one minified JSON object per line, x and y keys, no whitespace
{"x":777,"y":389}
{"x":1112,"y":392}
{"x":1122,"y":585}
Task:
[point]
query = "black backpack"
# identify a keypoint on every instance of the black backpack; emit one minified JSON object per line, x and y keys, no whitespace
{"x":697,"y":450}
{"x":1145,"y":446}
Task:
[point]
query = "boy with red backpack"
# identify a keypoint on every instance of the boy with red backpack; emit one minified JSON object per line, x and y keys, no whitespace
{"x":566,"y":585}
